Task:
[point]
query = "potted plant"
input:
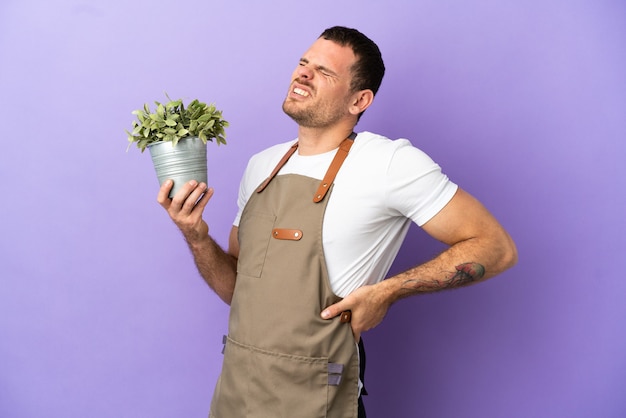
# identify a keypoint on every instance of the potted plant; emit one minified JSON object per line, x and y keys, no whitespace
{"x":176,"y":137}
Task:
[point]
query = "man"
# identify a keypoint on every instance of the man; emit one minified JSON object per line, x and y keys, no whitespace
{"x":320,"y":221}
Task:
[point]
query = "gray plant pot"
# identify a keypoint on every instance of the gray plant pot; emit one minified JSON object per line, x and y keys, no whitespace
{"x":183,"y":162}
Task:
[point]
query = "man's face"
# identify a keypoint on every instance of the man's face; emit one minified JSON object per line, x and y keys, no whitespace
{"x":319,"y":94}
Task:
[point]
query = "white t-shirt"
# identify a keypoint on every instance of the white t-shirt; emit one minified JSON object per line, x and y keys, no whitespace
{"x":381,"y":187}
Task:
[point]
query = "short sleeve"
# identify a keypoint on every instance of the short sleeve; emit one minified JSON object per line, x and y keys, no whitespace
{"x":416,"y":186}
{"x":242,"y":199}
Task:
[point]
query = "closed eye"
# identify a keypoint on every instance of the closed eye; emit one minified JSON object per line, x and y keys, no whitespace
{"x":324,"y":70}
{"x":327,"y":72}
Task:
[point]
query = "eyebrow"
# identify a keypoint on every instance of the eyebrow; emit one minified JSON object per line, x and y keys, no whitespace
{"x":321,"y":68}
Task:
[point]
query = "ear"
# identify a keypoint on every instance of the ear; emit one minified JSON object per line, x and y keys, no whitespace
{"x":361,"y":101}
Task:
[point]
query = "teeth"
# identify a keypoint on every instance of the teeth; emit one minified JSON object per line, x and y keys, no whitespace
{"x":300,"y":92}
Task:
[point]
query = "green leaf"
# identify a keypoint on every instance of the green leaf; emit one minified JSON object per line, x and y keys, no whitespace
{"x":172,"y":121}
{"x":174,"y":103}
{"x":142,"y":144}
{"x":204,"y":118}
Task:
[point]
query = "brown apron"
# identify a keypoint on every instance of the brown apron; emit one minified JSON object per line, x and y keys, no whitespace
{"x":281,"y":359}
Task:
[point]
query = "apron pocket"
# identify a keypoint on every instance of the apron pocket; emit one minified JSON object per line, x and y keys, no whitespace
{"x":259,"y":383}
{"x":255,"y":231}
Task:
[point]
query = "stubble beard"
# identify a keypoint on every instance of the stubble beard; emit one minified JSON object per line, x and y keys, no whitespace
{"x":313,"y":116}
{"x":303,"y":117}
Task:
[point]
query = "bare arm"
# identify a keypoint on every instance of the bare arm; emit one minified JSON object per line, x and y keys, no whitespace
{"x":479,"y":249}
{"x":216,"y":266}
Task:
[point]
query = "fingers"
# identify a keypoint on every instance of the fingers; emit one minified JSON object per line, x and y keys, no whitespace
{"x":164,"y":191}
{"x":337,"y":309}
{"x":368,"y":309}
{"x":204,"y":199}
{"x":186,"y":207}
{"x":334,"y":310}
{"x":189,"y":196}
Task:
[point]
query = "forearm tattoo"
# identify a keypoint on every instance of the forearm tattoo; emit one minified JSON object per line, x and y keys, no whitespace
{"x":464,"y":274}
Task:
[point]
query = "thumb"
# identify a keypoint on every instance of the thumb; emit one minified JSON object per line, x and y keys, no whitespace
{"x":335,"y":309}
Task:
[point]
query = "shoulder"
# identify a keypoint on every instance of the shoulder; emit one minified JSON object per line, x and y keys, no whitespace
{"x":387,"y":152}
{"x":406,"y":180}
{"x":370,"y":142}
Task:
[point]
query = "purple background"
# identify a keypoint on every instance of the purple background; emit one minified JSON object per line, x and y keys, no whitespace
{"x":523,"y":103}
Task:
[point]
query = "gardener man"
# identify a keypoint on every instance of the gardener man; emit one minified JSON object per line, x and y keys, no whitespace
{"x":320,"y":220}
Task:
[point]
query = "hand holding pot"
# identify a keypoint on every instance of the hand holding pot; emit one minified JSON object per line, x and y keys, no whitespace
{"x":186,"y":207}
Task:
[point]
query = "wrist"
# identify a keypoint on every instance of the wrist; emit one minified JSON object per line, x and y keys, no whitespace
{"x":389,"y":291}
{"x":399,"y":287}
{"x":198,"y":240}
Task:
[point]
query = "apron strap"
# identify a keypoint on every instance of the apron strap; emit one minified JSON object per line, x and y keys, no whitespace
{"x":341,"y":155}
{"x":280,"y":165}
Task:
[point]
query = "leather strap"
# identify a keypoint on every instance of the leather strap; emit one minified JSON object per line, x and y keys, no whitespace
{"x":330,"y":175}
{"x":280,"y":165}
{"x":287,"y":234}
{"x":345,"y":317}
{"x":328,"y":179}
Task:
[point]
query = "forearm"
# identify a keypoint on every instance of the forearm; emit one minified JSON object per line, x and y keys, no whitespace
{"x":217,"y":267}
{"x":465,"y":263}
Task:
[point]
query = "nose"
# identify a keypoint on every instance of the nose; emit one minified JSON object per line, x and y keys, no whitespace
{"x":304,"y":72}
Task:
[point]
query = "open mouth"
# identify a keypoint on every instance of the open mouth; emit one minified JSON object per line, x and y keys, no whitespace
{"x":300,"y":92}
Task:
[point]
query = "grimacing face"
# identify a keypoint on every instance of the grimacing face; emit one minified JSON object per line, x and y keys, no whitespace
{"x":320,"y":93}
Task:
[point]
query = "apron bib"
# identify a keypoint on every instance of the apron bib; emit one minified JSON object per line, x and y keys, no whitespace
{"x":281,"y":359}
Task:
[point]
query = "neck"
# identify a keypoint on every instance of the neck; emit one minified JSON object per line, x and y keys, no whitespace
{"x":312,"y":141}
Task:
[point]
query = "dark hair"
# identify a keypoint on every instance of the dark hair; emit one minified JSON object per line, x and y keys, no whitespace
{"x":369,"y":69}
